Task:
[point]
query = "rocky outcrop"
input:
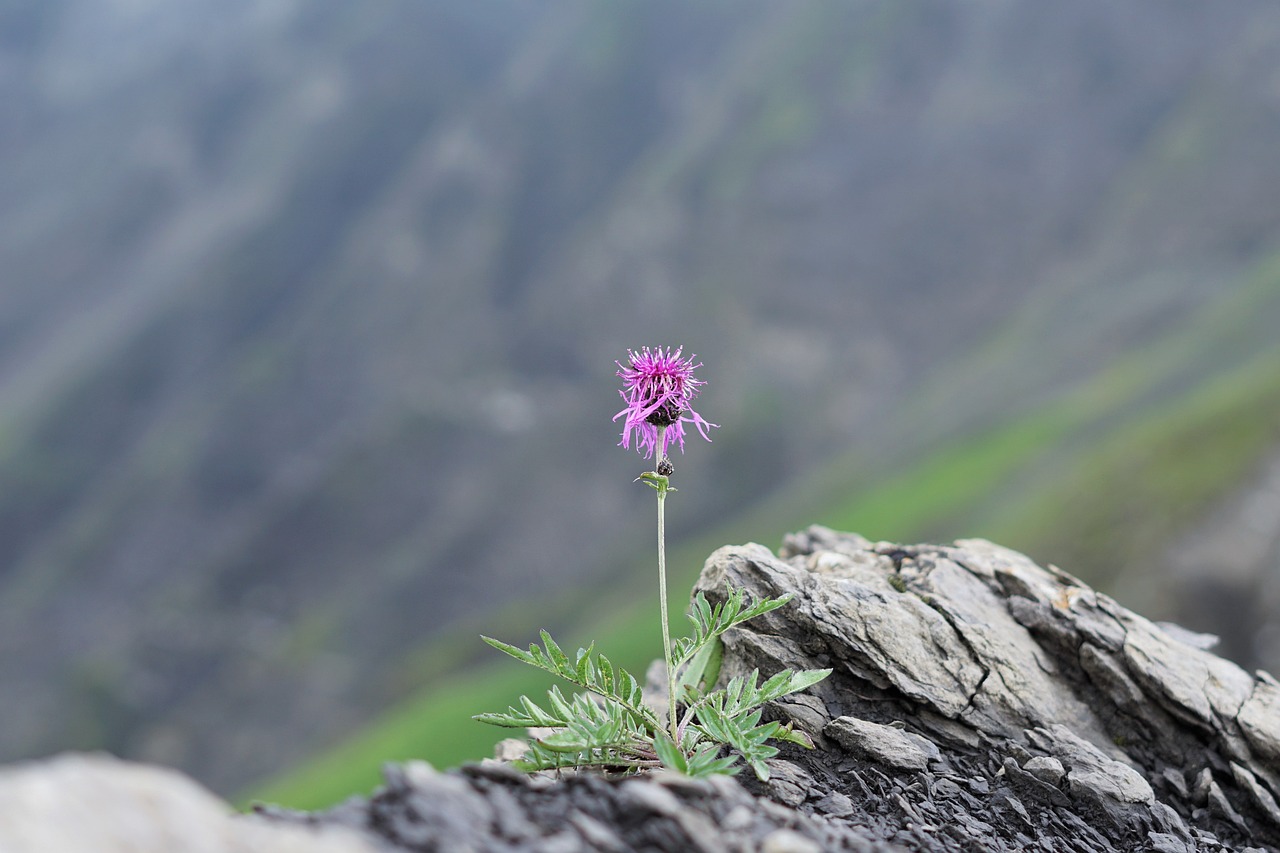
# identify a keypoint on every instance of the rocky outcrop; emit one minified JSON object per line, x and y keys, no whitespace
{"x":977,"y":702}
{"x":1061,"y":718}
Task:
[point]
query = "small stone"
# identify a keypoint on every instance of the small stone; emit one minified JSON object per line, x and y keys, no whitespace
{"x":76,"y":802}
{"x":738,"y":818}
{"x":1163,"y":842}
{"x":788,"y":841}
{"x":789,"y":782}
{"x":1221,"y":806}
{"x":786,"y":791}
{"x":1261,"y":796}
{"x":1045,"y":768}
{"x":1090,"y":773}
{"x":946,"y":789}
{"x":1259,"y":717}
{"x":835,"y":804}
{"x":805,"y":709}
{"x":884,"y":744}
{"x":1176,"y":781}
{"x":648,"y":796}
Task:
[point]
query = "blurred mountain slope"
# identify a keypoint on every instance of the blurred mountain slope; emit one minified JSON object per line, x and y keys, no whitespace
{"x":310,"y":309}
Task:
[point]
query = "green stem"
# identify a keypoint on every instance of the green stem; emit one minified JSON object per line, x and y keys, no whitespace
{"x":662,"y":589}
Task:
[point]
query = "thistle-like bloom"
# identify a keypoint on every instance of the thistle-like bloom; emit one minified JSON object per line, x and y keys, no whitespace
{"x":659,"y":387}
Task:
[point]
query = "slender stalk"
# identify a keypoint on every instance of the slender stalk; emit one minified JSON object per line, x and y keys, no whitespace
{"x":662,"y":589}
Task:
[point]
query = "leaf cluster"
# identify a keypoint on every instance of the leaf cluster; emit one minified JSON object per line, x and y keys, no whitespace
{"x":609,"y":724}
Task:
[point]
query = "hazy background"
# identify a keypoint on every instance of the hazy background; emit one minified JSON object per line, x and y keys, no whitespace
{"x":308,"y":314}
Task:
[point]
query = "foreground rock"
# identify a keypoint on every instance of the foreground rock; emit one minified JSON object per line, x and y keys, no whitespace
{"x":82,"y":803}
{"x":978,"y":702}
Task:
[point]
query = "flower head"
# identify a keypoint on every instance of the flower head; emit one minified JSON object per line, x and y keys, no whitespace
{"x":658,"y":388}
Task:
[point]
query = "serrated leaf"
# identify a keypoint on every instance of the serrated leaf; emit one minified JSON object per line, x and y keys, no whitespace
{"x":564,"y":741}
{"x":777,"y":685}
{"x":507,"y":721}
{"x":763,"y":606}
{"x":556,"y":654}
{"x":536,"y":715}
{"x":606,"y":673}
{"x":806,"y":678}
{"x":559,"y":705}
{"x":706,"y":761}
{"x":517,"y":653}
{"x":583,"y":665}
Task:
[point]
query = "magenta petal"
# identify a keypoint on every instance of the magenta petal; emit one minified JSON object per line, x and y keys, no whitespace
{"x":658,"y":380}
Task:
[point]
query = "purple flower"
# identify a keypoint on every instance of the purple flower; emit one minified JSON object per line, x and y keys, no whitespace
{"x":659,"y":386}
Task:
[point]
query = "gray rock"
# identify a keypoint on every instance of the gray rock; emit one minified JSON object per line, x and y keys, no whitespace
{"x":75,"y":803}
{"x":1259,"y":717}
{"x":789,"y":782}
{"x":977,"y":649}
{"x":884,"y":745}
{"x":1261,"y":797}
{"x":1046,"y":769}
{"x":1110,"y":677}
{"x":1092,"y":774}
{"x":786,"y":841}
{"x":835,"y":804}
{"x":1192,"y":684}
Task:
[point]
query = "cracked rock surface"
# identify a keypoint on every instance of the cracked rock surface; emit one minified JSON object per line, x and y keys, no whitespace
{"x":1073,"y":723}
{"x":978,"y":702}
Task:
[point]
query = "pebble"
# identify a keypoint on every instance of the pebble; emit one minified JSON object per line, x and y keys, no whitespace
{"x":1045,"y":768}
{"x":788,"y":841}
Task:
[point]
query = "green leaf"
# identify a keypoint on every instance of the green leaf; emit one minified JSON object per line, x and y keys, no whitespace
{"x":555,"y":653}
{"x":537,"y":716}
{"x":519,"y":654}
{"x":605,"y":668}
{"x":792,"y":736}
{"x":565,"y":741}
{"x":806,"y":678}
{"x":763,"y":606}
{"x":669,"y":754}
{"x":710,"y":622}
{"x":706,"y":761}
{"x":583,"y":666}
{"x":703,"y":669}
{"x":595,"y":674}
{"x":508,"y":721}
{"x":778,"y":685}
{"x":559,"y":705}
